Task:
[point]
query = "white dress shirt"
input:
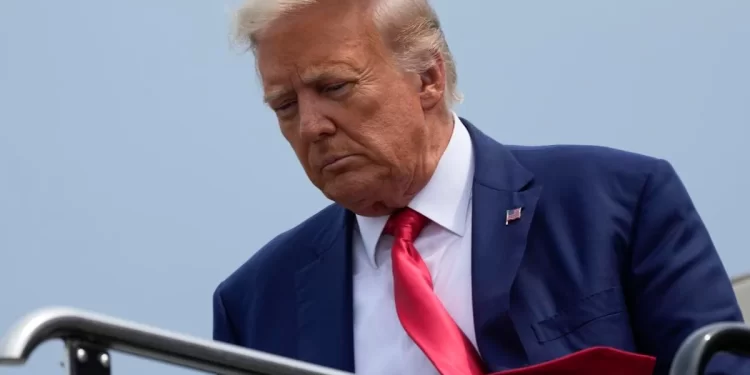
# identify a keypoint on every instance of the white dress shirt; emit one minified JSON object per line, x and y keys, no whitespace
{"x":381,"y":346}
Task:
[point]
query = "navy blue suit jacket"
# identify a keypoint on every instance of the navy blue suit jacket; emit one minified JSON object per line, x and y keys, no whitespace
{"x":609,"y":251}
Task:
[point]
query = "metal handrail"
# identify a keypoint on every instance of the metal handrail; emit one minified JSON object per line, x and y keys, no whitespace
{"x":144,"y":341}
{"x":78,"y":326}
{"x":698,"y":349}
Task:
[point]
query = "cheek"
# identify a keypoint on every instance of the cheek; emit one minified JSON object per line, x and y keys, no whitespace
{"x":377,"y":115}
{"x":400,"y":128}
{"x":288,"y":130}
{"x":389,"y":146}
{"x":301,"y":151}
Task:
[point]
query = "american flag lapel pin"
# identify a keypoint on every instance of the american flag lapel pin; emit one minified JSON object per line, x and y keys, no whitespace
{"x":512,"y":215}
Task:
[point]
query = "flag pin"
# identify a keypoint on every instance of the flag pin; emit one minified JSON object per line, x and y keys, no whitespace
{"x":512,"y":215}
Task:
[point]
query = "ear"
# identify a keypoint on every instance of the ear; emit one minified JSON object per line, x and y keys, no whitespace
{"x":433,"y":82}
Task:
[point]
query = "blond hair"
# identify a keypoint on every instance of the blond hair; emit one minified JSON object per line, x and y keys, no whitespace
{"x":410,"y":27}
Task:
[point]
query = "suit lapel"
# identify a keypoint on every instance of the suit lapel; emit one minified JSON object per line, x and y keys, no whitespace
{"x":324,"y":286}
{"x":324,"y":297}
{"x":500,"y":184}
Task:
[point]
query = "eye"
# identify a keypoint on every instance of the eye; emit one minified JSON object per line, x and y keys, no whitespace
{"x":284,"y":107}
{"x":337,"y":88}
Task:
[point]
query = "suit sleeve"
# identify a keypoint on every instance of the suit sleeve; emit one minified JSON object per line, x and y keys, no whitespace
{"x":222,"y":330}
{"x":677,"y":283}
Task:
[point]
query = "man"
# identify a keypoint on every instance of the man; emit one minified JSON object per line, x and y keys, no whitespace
{"x":445,"y":251}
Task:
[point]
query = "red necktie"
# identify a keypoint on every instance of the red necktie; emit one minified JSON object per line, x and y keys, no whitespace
{"x":420,"y":311}
{"x":427,"y":322}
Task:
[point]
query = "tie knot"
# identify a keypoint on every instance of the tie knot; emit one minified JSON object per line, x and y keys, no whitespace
{"x":406,"y":224}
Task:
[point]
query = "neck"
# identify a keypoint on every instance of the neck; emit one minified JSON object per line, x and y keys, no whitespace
{"x":440,"y":127}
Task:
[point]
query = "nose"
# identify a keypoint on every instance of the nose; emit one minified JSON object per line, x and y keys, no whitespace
{"x":314,"y":125}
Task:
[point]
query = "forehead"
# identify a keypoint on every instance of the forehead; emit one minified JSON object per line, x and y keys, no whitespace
{"x":316,"y":40}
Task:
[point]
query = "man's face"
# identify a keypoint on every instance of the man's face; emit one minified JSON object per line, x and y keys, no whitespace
{"x":354,"y":120}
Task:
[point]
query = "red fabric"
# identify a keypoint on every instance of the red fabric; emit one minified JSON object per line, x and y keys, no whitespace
{"x":427,"y":322}
{"x":598,"y":360}
{"x":420,"y":311}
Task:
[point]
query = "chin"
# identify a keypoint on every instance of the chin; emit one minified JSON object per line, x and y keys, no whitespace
{"x":355,"y":193}
{"x":373,"y":210}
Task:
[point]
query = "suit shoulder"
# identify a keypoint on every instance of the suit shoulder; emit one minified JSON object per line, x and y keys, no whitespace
{"x":579,"y":174}
{"x":284,"y":252}
{"x":585,"y":161}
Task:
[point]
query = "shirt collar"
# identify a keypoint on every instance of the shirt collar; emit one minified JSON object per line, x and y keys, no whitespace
{"x":446,"y":197}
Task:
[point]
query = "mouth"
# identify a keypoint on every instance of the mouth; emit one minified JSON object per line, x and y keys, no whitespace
{"x":334,"y":162}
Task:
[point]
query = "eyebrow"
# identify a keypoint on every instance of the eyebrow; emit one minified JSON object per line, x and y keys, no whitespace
{"x":274,"y":94}
{"x":313,"y":75}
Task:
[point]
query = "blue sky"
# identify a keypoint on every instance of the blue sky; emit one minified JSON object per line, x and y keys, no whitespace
{"x":139,"y":167}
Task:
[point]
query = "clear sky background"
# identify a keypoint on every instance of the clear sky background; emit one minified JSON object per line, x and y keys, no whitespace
{"x":138,"y":166}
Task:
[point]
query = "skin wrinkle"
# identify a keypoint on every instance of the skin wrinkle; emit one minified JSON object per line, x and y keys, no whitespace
{"x":337,"y":91}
